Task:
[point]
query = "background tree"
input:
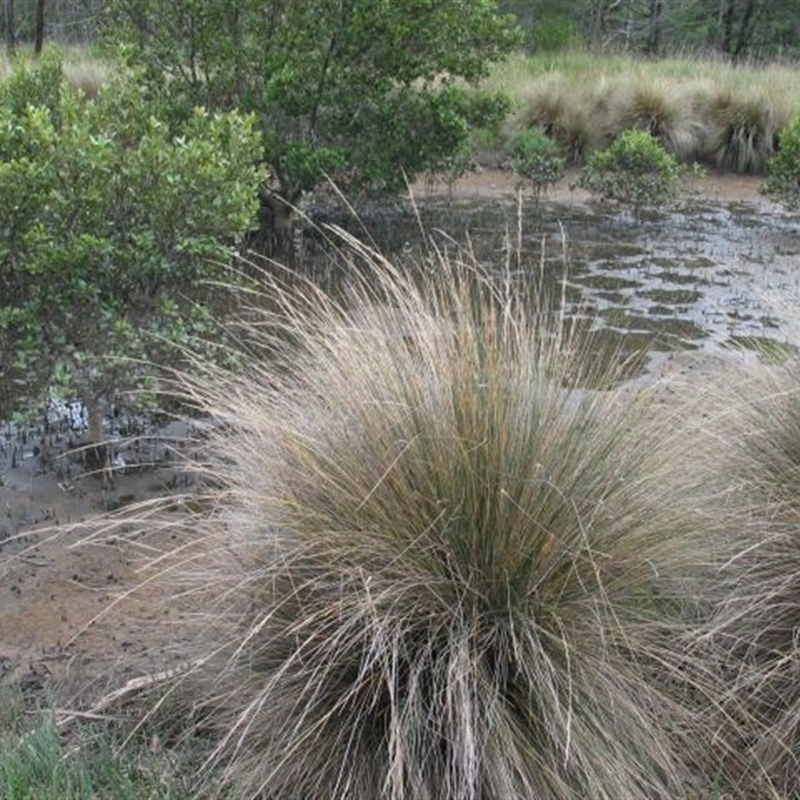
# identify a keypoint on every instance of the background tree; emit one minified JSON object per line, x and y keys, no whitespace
{"x":653,"y":45}
{"x":123,"y":216}
{"x":60,"y":21}
{"x":365,"y":91}
{"x":10,"y":26}
{"x":738,"y":29}
{"x":38,"y":36}
{"x":739,"y":20}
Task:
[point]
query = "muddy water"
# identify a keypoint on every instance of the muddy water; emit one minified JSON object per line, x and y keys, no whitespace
{"x":706,"y":275}
{"x":709,"y":274}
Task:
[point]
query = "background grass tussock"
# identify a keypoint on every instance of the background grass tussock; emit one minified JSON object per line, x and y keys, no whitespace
{"x":701,"y":110}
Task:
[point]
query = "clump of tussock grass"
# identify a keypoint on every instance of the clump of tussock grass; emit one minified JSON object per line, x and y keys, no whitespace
{"x":663,"y":110}
{"x":741,"y":132}
{"x":755,"y":624}
{"x":434,"y":567}
{"x":567,"y":116}
{"x":591,"y":95}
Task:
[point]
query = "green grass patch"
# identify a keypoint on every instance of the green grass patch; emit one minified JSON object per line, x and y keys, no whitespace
{"x":126,"y":754}
{"x":41,"y":763}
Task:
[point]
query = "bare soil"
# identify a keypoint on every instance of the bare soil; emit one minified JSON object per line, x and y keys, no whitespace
{"x":70,"y":612}
{"x":492,"y":183}
{"x":80,"y":609}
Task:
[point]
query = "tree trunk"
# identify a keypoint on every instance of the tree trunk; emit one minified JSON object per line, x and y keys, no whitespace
{"x":38,"y":41}
{"x":96,"y":453}
{"x":653,"y":46}
{"x":236,"y":34}
{"x":11,"y":32}
{"x":598,"y":22}
{"x":275,"y":235}
{"x":745,"y":31}
{"x":726,"y":17}
{"x":602,"y":15}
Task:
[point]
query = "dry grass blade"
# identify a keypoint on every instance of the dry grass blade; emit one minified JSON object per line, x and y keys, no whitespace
{"x":755,"y":625}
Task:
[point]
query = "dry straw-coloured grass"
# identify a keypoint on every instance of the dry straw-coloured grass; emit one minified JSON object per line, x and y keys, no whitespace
{"x":663,"y":110}
{"x":742,"y":131}
{"x":436,"y":568}
{"x":83,"y":69}
{"x":701,"y":110}
{"x":570,"y":118}
{"x":756,"y":622}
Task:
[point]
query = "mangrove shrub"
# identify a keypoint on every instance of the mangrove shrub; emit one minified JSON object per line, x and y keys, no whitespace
{"x":363,"y":92}
{"x":635,"y":170}
{"x":783,"y":183}
{"x":111,"y":220}
{"x":537,"y":160}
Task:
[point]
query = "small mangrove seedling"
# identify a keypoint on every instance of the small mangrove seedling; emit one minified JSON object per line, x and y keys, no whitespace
{"x":634,"y":170}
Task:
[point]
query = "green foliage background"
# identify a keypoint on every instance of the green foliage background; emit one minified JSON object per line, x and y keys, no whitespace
{"x":368,"y":92}
{"x":111,"y":216}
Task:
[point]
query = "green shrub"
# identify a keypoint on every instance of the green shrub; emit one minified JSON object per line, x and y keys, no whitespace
{"x":432,"y":570}
{"x":39,"y":87}
{"x":536,"y":160}
{"x":451,"y":157}
{"x":357,"y":88}
{"x":112,"y":219}
{"x":783,"y":183}
{"x":635,"y":170}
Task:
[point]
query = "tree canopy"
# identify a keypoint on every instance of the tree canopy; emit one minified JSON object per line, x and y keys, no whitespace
{"x":369,"y":92}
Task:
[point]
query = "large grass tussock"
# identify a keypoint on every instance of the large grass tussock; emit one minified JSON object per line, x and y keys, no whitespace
{"x":755,"y":625}
{"x":434,"y":567}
